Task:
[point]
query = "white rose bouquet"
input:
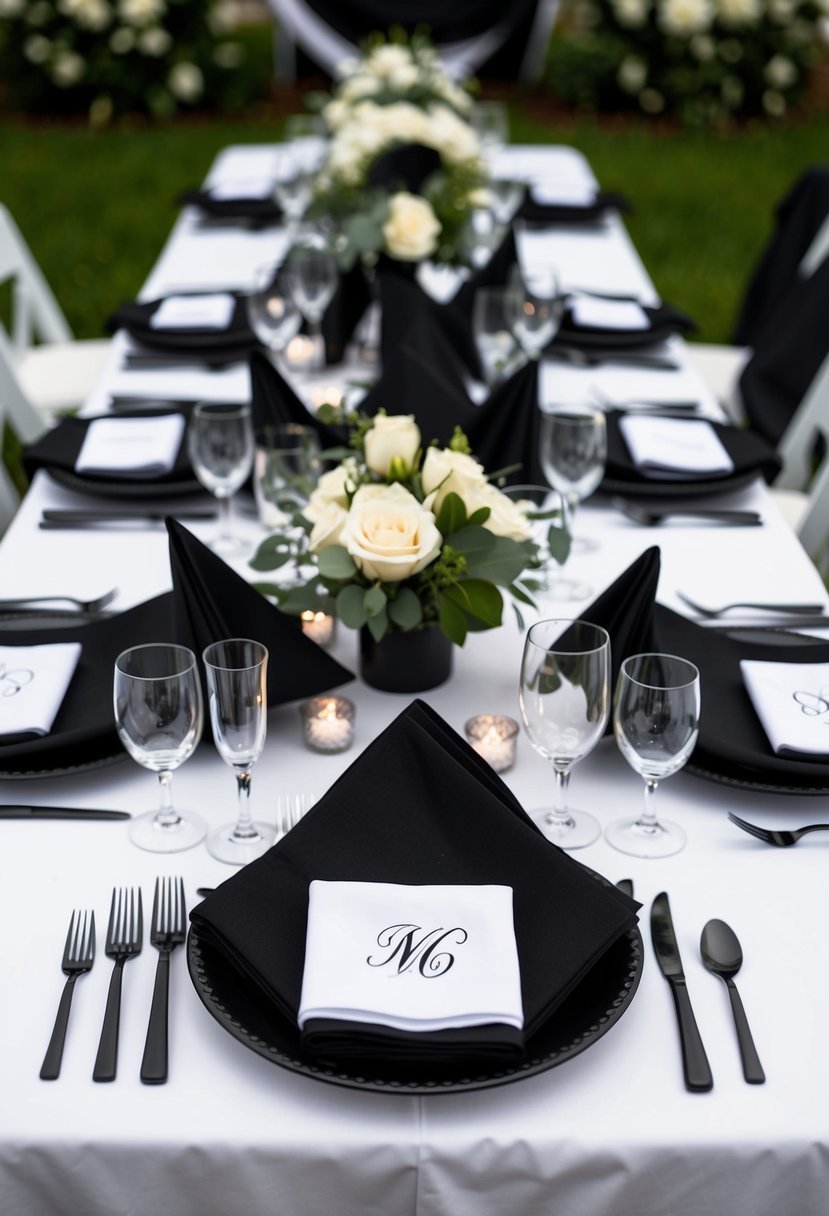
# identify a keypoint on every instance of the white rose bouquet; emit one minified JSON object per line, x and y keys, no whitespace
{"x":401,"y":540}
{"x":398,"y":95}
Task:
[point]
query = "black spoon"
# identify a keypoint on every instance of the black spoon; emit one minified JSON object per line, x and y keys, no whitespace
{"x":722,"y":955}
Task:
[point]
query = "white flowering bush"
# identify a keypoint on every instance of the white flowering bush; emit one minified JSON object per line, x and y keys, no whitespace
{"x":702,"y":60}
{"x":398,"y":94}
{"x":109,"y":57}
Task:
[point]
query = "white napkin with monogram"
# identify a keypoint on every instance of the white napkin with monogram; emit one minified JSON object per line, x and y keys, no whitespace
{"x":593,"y":312}
{"x":145,"y":446}
{"x":33,"y":683}
{"x":243,"y":187}
{"x":416,"y":958}
{"x":792,"y":702}
{"x":563,"y":194}
{"x":214,"y":311}
{"x":682,"y":445}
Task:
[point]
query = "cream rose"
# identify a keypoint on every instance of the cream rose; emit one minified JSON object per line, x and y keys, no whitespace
{"x":390,"y":535}
{"x":393,"y":437}
{"x":328,"y":527}
{"x":506,"y":518}
{"x":447,"y":472}
{"x":332,"y":487}
{"x":412,"y":228}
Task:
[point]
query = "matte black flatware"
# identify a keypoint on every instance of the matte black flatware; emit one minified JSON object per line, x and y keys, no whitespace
{"x":169,"y":927}
{"x":695,"y":1064}
{"x":78,"y":957}
{"x":721,"y":953}
{"x":582,"y":358}
{"x":125,"y":933}
{"x":56,"y":518}
{"x":29,"y":601}
{"x":794,"y":609}
{"x":650,"y":517}
{"x":165,"y":362}
{"x":625,"y":885}
{"x":782,"y":837}
{"x":125,"y":403}
{"x":16,"y":811}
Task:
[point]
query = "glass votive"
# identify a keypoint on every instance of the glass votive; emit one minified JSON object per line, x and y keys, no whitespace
{"x":318,"y":626}
{"x":328,"y":723}
{"x":493,"y":737}
{"x":300,"y":352}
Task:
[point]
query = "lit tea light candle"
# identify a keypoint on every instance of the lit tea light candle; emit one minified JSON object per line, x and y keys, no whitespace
{"x":300,"y":352}
{"x":326,"y":394}
{"x":328,"y":723}
{"x":493,"y":737}
{"x":318,"y":626}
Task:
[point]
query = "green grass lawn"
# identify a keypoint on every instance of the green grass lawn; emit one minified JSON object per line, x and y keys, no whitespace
{"x":95,"y":206}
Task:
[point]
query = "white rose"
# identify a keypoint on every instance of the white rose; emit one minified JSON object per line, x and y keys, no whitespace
{"x":141,"y":12}
{"x":632,"y":73}
{"x":67,"y":69}
{"x":37,"y":49}
{"x":11,"y":8}
{"x":186,"y":81}
{"x":393,"y":437}
{"x":155,"y":41}
{"x":412,"y":229}
{"x":359,"y":86}
{"x":328,"y":528}
{"x":736,"y":13}
{"x":385,"y":61}
{"x":631,"y":13}
{"x":451,"y":136}
{"x":683,"y":18}
{"x":780,"y":72}
{"x":390,"y":535}
{"x":332,"y":487}
{"x":447,"y":472}
{"x":506,"y":518}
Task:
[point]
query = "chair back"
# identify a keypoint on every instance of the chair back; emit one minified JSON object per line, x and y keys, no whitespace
{"x":805,"y":453}
{"x":36,"y":314}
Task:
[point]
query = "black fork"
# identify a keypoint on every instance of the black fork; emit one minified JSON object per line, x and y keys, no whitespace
{"x":167,"y":932}
{"x":78,"y":957}
{"x":782,"y":837}
{"x":125,"y":932}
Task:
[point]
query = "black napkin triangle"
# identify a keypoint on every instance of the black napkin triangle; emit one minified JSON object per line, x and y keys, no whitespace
{"x":259,"y":211}
{"x":573,"y":213}
{"x":274,"y":403}
{"x":344,"y":313}
{"x":409,"y":315}
{"x":626,"y":610}
{"x":411,"y":384}
{"x":211,"y":602}
{"x":405,"y":167}
{"x":453,"y":821}
{"x":494,"y":274}
{"x":505,"y":430}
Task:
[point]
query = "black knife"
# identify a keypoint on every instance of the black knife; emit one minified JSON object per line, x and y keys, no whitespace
{"x":695,"y":1064}
{"x":59,"y":812}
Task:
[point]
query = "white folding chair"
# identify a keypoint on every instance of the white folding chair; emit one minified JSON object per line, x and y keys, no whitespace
{"x":801,"y":490}
{"x":43,"y":370}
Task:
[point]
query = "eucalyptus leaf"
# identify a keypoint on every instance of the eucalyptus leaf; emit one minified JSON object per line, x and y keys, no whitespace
{"x":452,"y":514}
{"x":405,"y":610}
{"x":272,"y":553}
{"x":351,"y":608}
{"x":478,"y":599}
{"x":378,"y":626}
{"x":374,"y":601}
{"x":335,"y":562}
{"x":497,"y":559}
{"x":559,"y":542}
{"x":452,"y":620}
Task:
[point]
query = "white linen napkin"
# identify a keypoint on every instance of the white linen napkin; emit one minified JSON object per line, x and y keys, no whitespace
{"x":213,"y":311}
{"x":33,"y":683}
{"x":686,"y":445}
{"x":243,"y":187}
{"x":563,"y":194}
{"x":138,"y":445}
{"x":792,"y":702}
{"x":415,"y":958}
{"x":591,"y":312}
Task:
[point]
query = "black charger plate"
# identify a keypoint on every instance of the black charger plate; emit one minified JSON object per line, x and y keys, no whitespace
{"x":589,"y":1011}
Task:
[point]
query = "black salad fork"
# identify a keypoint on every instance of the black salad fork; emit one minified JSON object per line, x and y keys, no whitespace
{"x":782,"y":837}
{"x":78,"y":957}
{"x":168,"y":931}
{"x":125,"y":933}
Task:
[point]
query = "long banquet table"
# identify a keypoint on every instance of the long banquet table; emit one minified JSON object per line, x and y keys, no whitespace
{"x":612,"y":1130}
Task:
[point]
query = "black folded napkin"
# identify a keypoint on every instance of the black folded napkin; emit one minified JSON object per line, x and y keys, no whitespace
{"x":418,"y":806}
{"x":626,"y":610}
{"x":405,"y":167}
{"x":505,"y":430}
{"x":57,"y":451}
{"x":262,"y":210}
{"x":414,"y":384}
{"x":135,"y":316}
{"x":663,"y":322}
{"x":409,"y":315}
{"x":788,"y":354}
{"x":749,"y":452}
{"x":573,"y":213}
{"x":211,"y":601}
{"x":342,"y":316}
{"x":274,"y":403}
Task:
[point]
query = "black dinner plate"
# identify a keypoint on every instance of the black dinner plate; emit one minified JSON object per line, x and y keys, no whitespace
{"x":542,"y":214}
{"x":581,"y":1020}
{"x":625,"y":487}
{"x":100,"y":487}
{"x":135,"y":316}
{"x":663,"y":323}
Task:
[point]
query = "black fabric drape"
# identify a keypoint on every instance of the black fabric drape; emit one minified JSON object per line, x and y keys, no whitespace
{"x":354,"y":19}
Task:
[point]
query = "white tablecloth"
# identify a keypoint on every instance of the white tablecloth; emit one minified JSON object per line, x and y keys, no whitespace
{"x":611,"y":1131}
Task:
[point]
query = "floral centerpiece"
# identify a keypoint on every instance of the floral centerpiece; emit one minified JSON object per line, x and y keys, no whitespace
{"x":702,"y":60}
{"x":398,"y":96}
{"x":402,"y":541}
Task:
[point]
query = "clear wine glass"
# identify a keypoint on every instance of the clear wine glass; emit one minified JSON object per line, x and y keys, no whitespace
{"x":272,"y":314}
{"x":546,"y":514}
{"x":306,"y":140}
{"x":565,"y":703}
{"x":506,"y":196}
{"x":573,"y":453}
{"x":238,"y":699}
{"x":536,"y":309}
{"x":220,"y":444}
{"x":490,"y":122}
{"x":492,"y":329}
{"x":312,"y":278}
{"x":159,"y":718}
{"x":293,"y":188}
{"x":656,"y":723}
{"x":479,"y":236}
{"x":286,"y":469}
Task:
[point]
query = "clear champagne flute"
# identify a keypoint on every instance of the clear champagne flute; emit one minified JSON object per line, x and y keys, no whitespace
{"x":536,"y":309}
{"x":238,"y":699}
{"x":480,"y":235}
{"x":221,"y":447}
{"x":656,"y":723}
{"x":306,"y":141}
{"x":159,"y":718}
{"x":272,"y":314}
{"x":312,"y":278}
{"x":573,"y":453}
{"x":564,"y":698}
{"x":293,"y":188}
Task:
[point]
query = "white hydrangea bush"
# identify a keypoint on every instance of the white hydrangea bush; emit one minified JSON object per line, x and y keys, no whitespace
{"x":703,"y":60}
{"x":110,"y":57}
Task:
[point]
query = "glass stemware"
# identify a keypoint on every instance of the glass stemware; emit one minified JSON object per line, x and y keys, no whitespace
{"x":306,"y":140}
{"x":490,"y":122}
{"x":159,"y":718}
{"x":536,"y":308}
{"x":656,"y":723}
{"x":293,"y":188}
{"x":492,"y":329}
{"x":220,"y":444}
{"x":479,"y":236}
{"x":286,"y":469}
{"x":573,"y":453}
{"x":312,"y":278}
{"x":272,"y":314}
{"x":546,"y":515}
{"x":564,"y":698}
{"x":238,"y":698}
